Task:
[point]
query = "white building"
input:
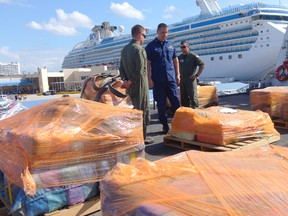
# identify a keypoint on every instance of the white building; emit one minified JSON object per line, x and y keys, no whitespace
{"x":12,"y":68}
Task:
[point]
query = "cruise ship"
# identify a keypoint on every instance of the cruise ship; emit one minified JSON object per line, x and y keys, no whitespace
{"x":238,"y":43}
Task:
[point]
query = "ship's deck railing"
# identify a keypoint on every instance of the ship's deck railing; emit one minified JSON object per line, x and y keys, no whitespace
{"x":225,"y":44}
{"x":226,"y":11}
{"x":215,"y":32}
{"x":223,"y":50}
{"x":219,"y":38}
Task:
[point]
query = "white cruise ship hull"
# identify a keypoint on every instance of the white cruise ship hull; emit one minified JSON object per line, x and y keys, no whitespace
{"x":237,"y":44}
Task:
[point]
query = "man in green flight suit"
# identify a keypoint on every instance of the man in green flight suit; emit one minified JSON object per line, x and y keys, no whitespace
{"x":188,"y":63}
{"x":133,"y":71}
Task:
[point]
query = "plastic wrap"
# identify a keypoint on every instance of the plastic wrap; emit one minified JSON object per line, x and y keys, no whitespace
{"x":68,"y":141}
{"x":195,"y":183}
{"x":10,"y":107}
{"x":106,"y":89}
{"x":272,"y":100}
{"x":207,"y":96}
{"x":46,"y":199}
{"x":221,"y":126}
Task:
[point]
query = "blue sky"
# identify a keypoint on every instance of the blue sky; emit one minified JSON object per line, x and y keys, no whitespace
{"x":39,"y":33}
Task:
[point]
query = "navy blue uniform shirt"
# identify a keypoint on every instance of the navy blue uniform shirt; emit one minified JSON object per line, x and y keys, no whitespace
{"x":161,"y":55}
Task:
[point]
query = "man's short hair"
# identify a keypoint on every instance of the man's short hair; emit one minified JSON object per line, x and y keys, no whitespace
{"x":136,"y":29}
{"x":161,"y":25}
{"x":184,"y":42}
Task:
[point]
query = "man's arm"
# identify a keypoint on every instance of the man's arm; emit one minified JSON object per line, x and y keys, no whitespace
{"x":126,"y":82}
{"x":200,"y":69}
{"x":176,"y":67}
{"x":150,"y":81}
{"x":121,"y":69}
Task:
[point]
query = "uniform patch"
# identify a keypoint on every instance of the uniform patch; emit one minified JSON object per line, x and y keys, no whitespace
{"x":171,"y":47}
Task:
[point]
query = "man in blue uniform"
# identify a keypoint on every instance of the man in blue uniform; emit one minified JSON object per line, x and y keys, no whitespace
{"x":163,"y":73}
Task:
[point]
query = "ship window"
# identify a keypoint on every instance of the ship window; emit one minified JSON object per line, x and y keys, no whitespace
{"x":261,"y":38}
{"x":230,"y":56}
{"x":84,"y":77}
{"x":267,"y":30}
{"x":261,"y":31}
{"x":261,"y":45}
{"x":212,"y":58}
{"x":239,"y":55}
{"x":267,"y":37}
{"x":267,"y":45}
{"x":220,"y":57}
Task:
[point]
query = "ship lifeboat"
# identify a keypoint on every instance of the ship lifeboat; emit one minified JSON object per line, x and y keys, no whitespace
{"x":281,"y":72}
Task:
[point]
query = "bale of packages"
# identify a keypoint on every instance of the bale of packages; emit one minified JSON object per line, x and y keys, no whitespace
{"x":106,"y":89}
{"x":45,"y":200}
{"x":272,"y":100}
{"x":207,"y":96}
{"x":221,"y":126}
{"x":195,"y":183}
{"x":67,"y":141}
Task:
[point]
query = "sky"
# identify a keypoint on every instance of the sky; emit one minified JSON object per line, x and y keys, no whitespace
{"x":39,"y":33}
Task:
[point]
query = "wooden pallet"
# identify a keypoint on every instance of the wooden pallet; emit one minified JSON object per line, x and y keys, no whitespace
{"x":190,"y":145}
{"x":279,"y":123}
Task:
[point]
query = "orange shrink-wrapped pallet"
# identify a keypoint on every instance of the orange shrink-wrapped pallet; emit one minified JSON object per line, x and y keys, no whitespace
{"x":239,"y":183}
{"x":207,"y":96}
{"x":272,"y":100}
{"x":67,"y":141}
{"x":221,"y":126}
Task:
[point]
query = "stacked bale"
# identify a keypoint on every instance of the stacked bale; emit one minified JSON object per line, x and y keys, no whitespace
{"x":220,"y":125}
{"x":67,"y":141}
{"x":249,"y":182}
{"x":272,"y":100}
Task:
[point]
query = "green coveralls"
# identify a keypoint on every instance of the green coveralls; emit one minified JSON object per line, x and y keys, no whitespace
{"x":133,"y":67}
{"x":188,"y":88}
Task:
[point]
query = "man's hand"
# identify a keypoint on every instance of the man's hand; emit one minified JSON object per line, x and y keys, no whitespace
{"x":178,"y":80}
{"x":126,"y":84}
{"x":192,"y":77}
{"x":151,"y":83}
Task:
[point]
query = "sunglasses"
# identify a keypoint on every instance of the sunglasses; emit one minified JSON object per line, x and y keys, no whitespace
{"x":182,"y":47}
{"x":144,"y":35}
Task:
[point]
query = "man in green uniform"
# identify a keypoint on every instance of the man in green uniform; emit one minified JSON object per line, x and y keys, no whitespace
{"x":133,"y":71}
{"x":188,"y":62}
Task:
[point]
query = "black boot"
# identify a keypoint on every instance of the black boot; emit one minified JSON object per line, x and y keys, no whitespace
{"x":165,"y":128}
